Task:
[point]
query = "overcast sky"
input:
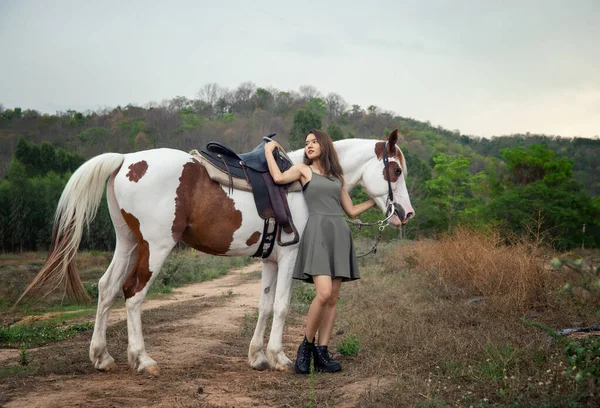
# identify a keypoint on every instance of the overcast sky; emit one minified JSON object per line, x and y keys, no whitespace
{"x":485,"y":67}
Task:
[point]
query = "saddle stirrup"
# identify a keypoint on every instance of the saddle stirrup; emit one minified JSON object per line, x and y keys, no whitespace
{"x":293,"y":241}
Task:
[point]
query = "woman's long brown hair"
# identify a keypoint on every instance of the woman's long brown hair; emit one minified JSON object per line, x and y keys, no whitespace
{"x":330,"y":163}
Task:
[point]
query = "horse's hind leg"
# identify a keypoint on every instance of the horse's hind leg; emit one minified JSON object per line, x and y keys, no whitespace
{"x":150,"y":258}
{"x":111,"y":282}
{"x":108,"y":288}
{"x":256,"y":356}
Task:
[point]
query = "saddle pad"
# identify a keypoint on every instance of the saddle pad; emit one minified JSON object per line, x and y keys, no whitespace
{"x":221,"y":177}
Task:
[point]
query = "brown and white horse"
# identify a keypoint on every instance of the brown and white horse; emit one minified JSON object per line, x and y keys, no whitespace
{"x":159,"y":197}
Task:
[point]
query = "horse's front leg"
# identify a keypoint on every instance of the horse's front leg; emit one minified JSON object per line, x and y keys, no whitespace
{"x":256,"y":356}
{"x":275,"y":355}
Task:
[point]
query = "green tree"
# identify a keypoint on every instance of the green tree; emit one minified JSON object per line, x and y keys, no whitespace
{"x":263,"y":99}
{"x":540,"y":197}
{"x":47,"y":158}
{"x":318,"y":106}
{"x":451,"y":191}
{"x":419,"y":173}
{"x":19,"y":205}
{"x":536,"y":163}
{"x":335,"y":131}
{"x":304,"y":121}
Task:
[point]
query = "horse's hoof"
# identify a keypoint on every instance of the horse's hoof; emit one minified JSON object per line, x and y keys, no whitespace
{"x":112,"y":366}
{"x":261,"y":367}
{"x":152,"y":370}
{"x":284,"y":368}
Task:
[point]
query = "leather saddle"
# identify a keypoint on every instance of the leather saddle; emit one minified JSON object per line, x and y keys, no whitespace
{"x":270,"y":198}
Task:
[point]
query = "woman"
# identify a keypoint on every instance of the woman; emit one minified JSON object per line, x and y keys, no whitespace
{"x":326,"y":253}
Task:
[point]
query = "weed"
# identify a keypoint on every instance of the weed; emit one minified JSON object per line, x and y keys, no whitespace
{"x":92,"y":290}
{"x":586,"y":285}
{"x":247,"y":325}
{"x":312,"y":392}
{"x":583,"y":360}
{"x":17,"y":369}
{"x":23,"y":357}
{"x":500,"y":362}
{"x":39,"y":334}
{"x":302,"y":296}
{"x":350,"y":345}
{"x":184,"y":267}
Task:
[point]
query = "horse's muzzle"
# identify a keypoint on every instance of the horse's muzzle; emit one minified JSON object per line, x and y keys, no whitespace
{"x":402,"y":215}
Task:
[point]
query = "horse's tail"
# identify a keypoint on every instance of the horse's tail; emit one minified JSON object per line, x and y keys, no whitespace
{"x":77,"y":206}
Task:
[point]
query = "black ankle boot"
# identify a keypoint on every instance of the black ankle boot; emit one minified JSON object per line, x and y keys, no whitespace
{"x":323,"y":361}
{"x":304,"y":357}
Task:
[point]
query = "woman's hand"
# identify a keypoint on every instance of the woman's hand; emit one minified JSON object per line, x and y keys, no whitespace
{"x":270,"y":146}
{"x":349,"y":207}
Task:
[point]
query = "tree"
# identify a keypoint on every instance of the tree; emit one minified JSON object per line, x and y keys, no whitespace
{"x":47,"y":158}
{"x":242,"y":98}
{"x":179,"y":102}
{"x":335,"y":131}
{"x":283,"y":103}
{"x":211,"y":93}
{"x":304,"y":121}
{"x":336,"y":105}
{"x":451,"y":190}
{"x":536,"y":163}
{"x":19,"y":208}
{"x":317,"y":106}
{"x":308,"y":92}
{"x":263,"y":99}
{"x":539,"y":195}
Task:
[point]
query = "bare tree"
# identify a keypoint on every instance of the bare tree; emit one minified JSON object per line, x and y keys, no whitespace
{"x":211,"y":93}
{"x":308,"y":92}
{"x":242,"y":97}
{"x":336,"y":105}
{"x":180,"y":102}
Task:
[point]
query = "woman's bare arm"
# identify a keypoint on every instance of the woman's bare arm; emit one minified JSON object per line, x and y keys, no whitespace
{"x":296,"y":172}
{"x":351,"y":209}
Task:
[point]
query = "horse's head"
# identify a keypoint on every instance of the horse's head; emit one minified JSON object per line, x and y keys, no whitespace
{"x":384,"y":180}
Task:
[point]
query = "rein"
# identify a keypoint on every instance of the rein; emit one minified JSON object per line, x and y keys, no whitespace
{"x":381,"y":224}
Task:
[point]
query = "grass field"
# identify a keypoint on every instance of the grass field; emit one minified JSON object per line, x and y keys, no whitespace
{"x":464,"y":321}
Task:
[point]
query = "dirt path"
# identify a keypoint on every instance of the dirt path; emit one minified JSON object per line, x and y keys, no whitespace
{"x":199,"y":336}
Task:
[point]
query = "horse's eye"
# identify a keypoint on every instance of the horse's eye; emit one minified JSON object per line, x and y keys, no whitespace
{"x":398,"y":171}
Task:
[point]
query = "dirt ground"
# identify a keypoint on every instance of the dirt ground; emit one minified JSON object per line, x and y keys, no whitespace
{"x":199,"y":335}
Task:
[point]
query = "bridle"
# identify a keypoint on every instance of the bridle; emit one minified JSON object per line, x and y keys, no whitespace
{"x":389,"y":210}
{"x":390,"y":198}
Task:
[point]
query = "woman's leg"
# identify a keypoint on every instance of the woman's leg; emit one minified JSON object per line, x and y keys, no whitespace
{"x":323,"y":361}
{"x":329,"y":313}
{"x":316,"y":312}
{"x":306,"y":350}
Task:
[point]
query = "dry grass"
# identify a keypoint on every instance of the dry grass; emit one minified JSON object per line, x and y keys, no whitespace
{"x":418,"y":329}
{"x":471,"y":263}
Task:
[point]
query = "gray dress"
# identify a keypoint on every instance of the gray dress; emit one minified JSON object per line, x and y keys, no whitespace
{"x":326,"y":247}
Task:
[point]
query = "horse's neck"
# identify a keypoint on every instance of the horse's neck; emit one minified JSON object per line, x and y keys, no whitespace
{"x":353,"y":154}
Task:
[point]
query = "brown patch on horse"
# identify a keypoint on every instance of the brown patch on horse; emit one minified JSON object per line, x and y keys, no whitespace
{"x":393,"y":150}
{"x":140,"y":274}
{"x":205,"y":217}
{"x":253,"y":238}
{"x":137,"y":170}
{"x":394,"y":174}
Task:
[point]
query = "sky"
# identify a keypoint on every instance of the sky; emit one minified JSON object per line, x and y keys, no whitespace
{"x":483,"y":67}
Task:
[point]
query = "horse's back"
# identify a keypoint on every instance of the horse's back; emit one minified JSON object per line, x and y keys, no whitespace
{"x":147,"y":182}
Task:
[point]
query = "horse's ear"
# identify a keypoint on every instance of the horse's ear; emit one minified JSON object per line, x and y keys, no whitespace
{"x":392,"y":139}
